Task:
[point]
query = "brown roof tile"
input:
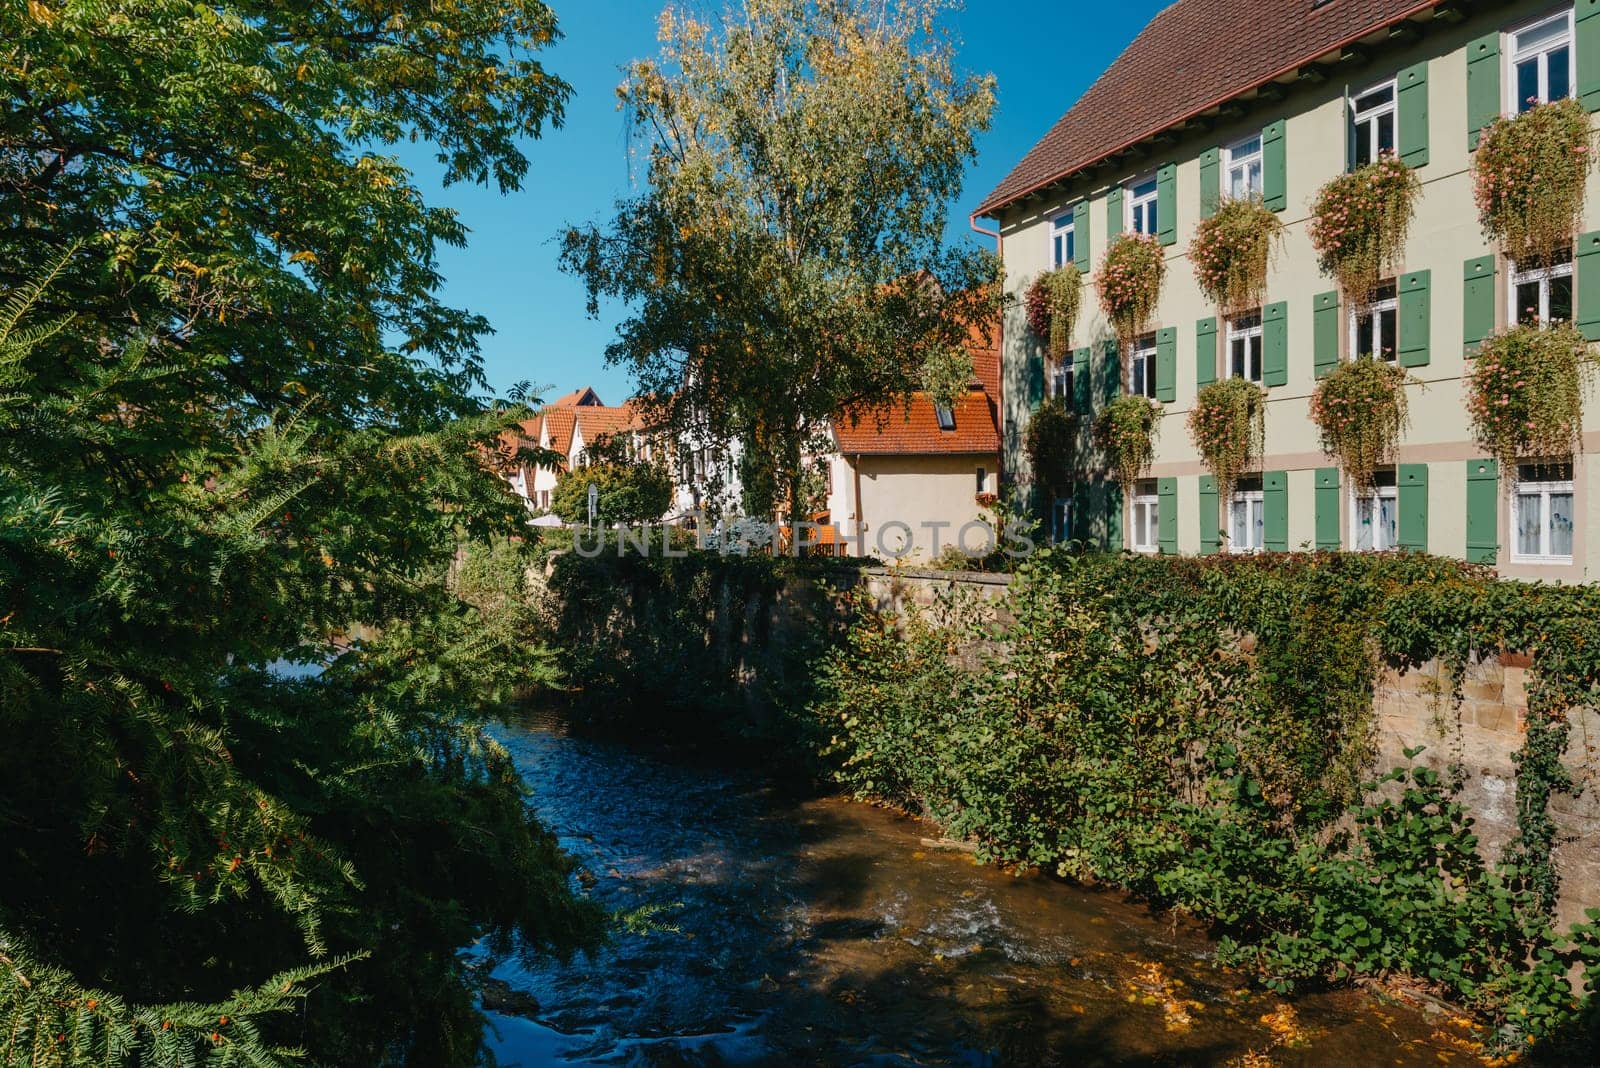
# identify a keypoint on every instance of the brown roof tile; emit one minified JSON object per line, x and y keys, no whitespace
{"x":1193,"y":56}
{"x":915,"y":431}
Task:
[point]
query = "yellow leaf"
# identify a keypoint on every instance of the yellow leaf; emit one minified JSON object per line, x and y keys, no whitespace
{"x":303,"y":257}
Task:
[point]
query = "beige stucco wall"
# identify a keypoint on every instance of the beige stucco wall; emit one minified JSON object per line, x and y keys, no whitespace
{"x":1444,"y":235}
{"x":933,"y":496}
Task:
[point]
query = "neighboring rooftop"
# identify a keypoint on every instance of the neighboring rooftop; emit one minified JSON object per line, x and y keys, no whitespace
{"x":1192,"y":58}
{"x":915,"y":430}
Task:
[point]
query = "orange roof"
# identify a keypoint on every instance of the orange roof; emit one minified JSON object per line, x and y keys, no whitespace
{"x":915,"y":431}
{"x":584,"y":397}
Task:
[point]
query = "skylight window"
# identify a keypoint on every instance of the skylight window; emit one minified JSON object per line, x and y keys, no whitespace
{"x":947,"y":418}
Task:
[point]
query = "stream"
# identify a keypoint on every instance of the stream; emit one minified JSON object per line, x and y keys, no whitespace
{"x":818,"y":931}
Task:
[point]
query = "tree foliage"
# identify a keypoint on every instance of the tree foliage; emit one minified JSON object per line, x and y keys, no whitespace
{"x":786,"y":260}
{"x":629,"y":490}
{"x":212,"y":462}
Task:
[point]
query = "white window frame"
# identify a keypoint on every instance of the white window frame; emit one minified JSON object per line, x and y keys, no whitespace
{"x":981,"y":475}
{"x":1255,"y":502}
{"x":1391,"y":107}
{"x":1061,"y":380}
{"x":1233,"y":159}
{"x":1390,"y":492}
{"x":1146,"y":518}
{"x":1375,"y":309}
{"x":1512,"y":56}
{"x":1142,"y":367}
{"x":1061,"y":519}
{"x":1142,"y":200}
{"x":1545,"y":489}
{"x":1542,"y":275}
{"x":1247,"y":333}
{"x":1061,"y":227}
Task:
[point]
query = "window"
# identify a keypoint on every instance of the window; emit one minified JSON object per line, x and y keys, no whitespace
{"x":1541,"y":514}
{"x":1062,"y":249}
{"x":1146,"y":516}
{"x":1061,"y":381}
{"x":1541,"y":62}
{"x":947,"y":418}
{"x":1244,"y":347}
{"x":1542,"y":292}
{"x":1373,"y":326}
{"x":1375,"y":514}
{"x":983,"y":480}
{"x":1061,"y":519}
{"x":1243,"y":163}
{"x":544,"y":500}
{"x":1142,"y":207}
{"x":1372,"y":119}
{"x":1247,"y":517}
{"x":1142,"y":367}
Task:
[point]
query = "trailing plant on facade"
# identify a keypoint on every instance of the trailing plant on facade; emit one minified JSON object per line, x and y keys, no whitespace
{"x":1231,"y":252}
{"x":1360,"y":412}
{"x":1525,"y":394}
{"x":1359,"y":223}
{"x":1228,"y":425}
{"x":1051,"y":444}
{"x":1528,"y":178}
{"x":1052,"y":304}
{"x":1127,"y":430}
{"x":1129,"y":282}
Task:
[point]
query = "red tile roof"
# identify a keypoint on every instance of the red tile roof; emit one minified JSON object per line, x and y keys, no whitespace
{"x":915,"y":431}
{"x":1193,"y":56}
{"x":585,"y":396}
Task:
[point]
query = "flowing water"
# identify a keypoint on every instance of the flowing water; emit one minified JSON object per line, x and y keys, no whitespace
{"x":820,"y":931}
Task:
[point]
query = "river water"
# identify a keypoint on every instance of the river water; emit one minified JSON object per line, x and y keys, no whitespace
{"x":808,"y":931}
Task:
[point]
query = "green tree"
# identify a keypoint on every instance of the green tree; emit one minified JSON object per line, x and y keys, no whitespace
{"x":786,"y":263}
{"x":628,"y":490}
{"x":238,"y":428}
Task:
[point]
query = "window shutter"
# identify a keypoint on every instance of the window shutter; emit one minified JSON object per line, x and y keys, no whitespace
{"x":1324,"y":333}
{"x":1113,"y":501}
{"x":1477,"y":302}
{"x":1413,"y":107}
{"x":1080,"y":381}
{"x":1080,"y":512}
{"x":1167,"y":515}
{"x":1483,"y":84}
{"x":1413,"y":492}
{"x":1416,"y":314}
{"x":1210,"y":531}
{"x":1205,"y":351}
{"x":1113,"y":214}
{"x":1167,"y":204}
{"x":1275,"y":344}
{"x":1275,"y":511}
{"x":1588,"y":285}
{"x":1587,"y":46}
{"x":1167,"y":364}
{"x":1210,"y":181}
{"x":1349,"y":129}
{"x":1110,"y":371}
{"x":1483,"y":511}
{"x":1327,"y":504}
{"x":1080,"y":236}
{"x":1275,"y":166}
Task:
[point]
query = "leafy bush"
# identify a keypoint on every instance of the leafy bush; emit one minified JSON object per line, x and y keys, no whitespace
{"x":1051,"y":445}
{"x":1052,"y":305}
{"x":1228,"y":425}
{"x":1231,"y":252}
{"x":1129,"y":281}
{"x":1360,"y":411}
{"x":1528,"y":178}
{"x":1525,"y":393}
{"x":1127,"y":430}
{"x":1359,"y":223}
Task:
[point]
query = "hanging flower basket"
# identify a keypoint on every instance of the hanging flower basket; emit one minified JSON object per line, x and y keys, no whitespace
{"x":1525,"y":396}
{"x":1052,"y":304}
{"x":1360,"y":411}
{"x":1228,"y":425}
{"x":1528,"y":178}
{"x":1231,"y":252}
{"x":1359,"y":224}
{"x":1051,"y":446}
{"x":1127,"y":430}
{"x":1129,"y":281}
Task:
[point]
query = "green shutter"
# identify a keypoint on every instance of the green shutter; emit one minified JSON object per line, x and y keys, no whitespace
{"x":1167,"y":364}
{"x":1275,"y":166}
{"x":1413,"y":107}
{"x":1110,"y":371}
{"x":1477,"y":302}
{"x":1275,"y":344}
{"x":1113,"y":214}
{"x":1324,"y":333}
{"x":1167,"y":204}
{"x":1413,"y":493}
{"x":1588,"y":285}
{"x":1275,"y":511}
{"x":1416,"y":315}
{"x":1080,"y":381}
{"x":1205,"y":351}
{"x":1112,"y":494}
{"x":1080,"y":512}
{"x":1210,"y":181}
{"x":1080,"y":236}
{"x":1167,"y":515}
{"x":1483,"y":511}
{"x":1327,"y":504}
{"x":1483,"y":84}
{"x":1587,"y":28}
{"x":1210,"y":531}
{"x":1035,"y":383}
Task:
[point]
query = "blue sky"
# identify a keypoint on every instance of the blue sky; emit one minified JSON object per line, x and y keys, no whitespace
{"x":507,"y":272}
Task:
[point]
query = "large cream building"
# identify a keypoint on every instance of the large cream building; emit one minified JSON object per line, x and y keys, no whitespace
{"x":1273,"y":98}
